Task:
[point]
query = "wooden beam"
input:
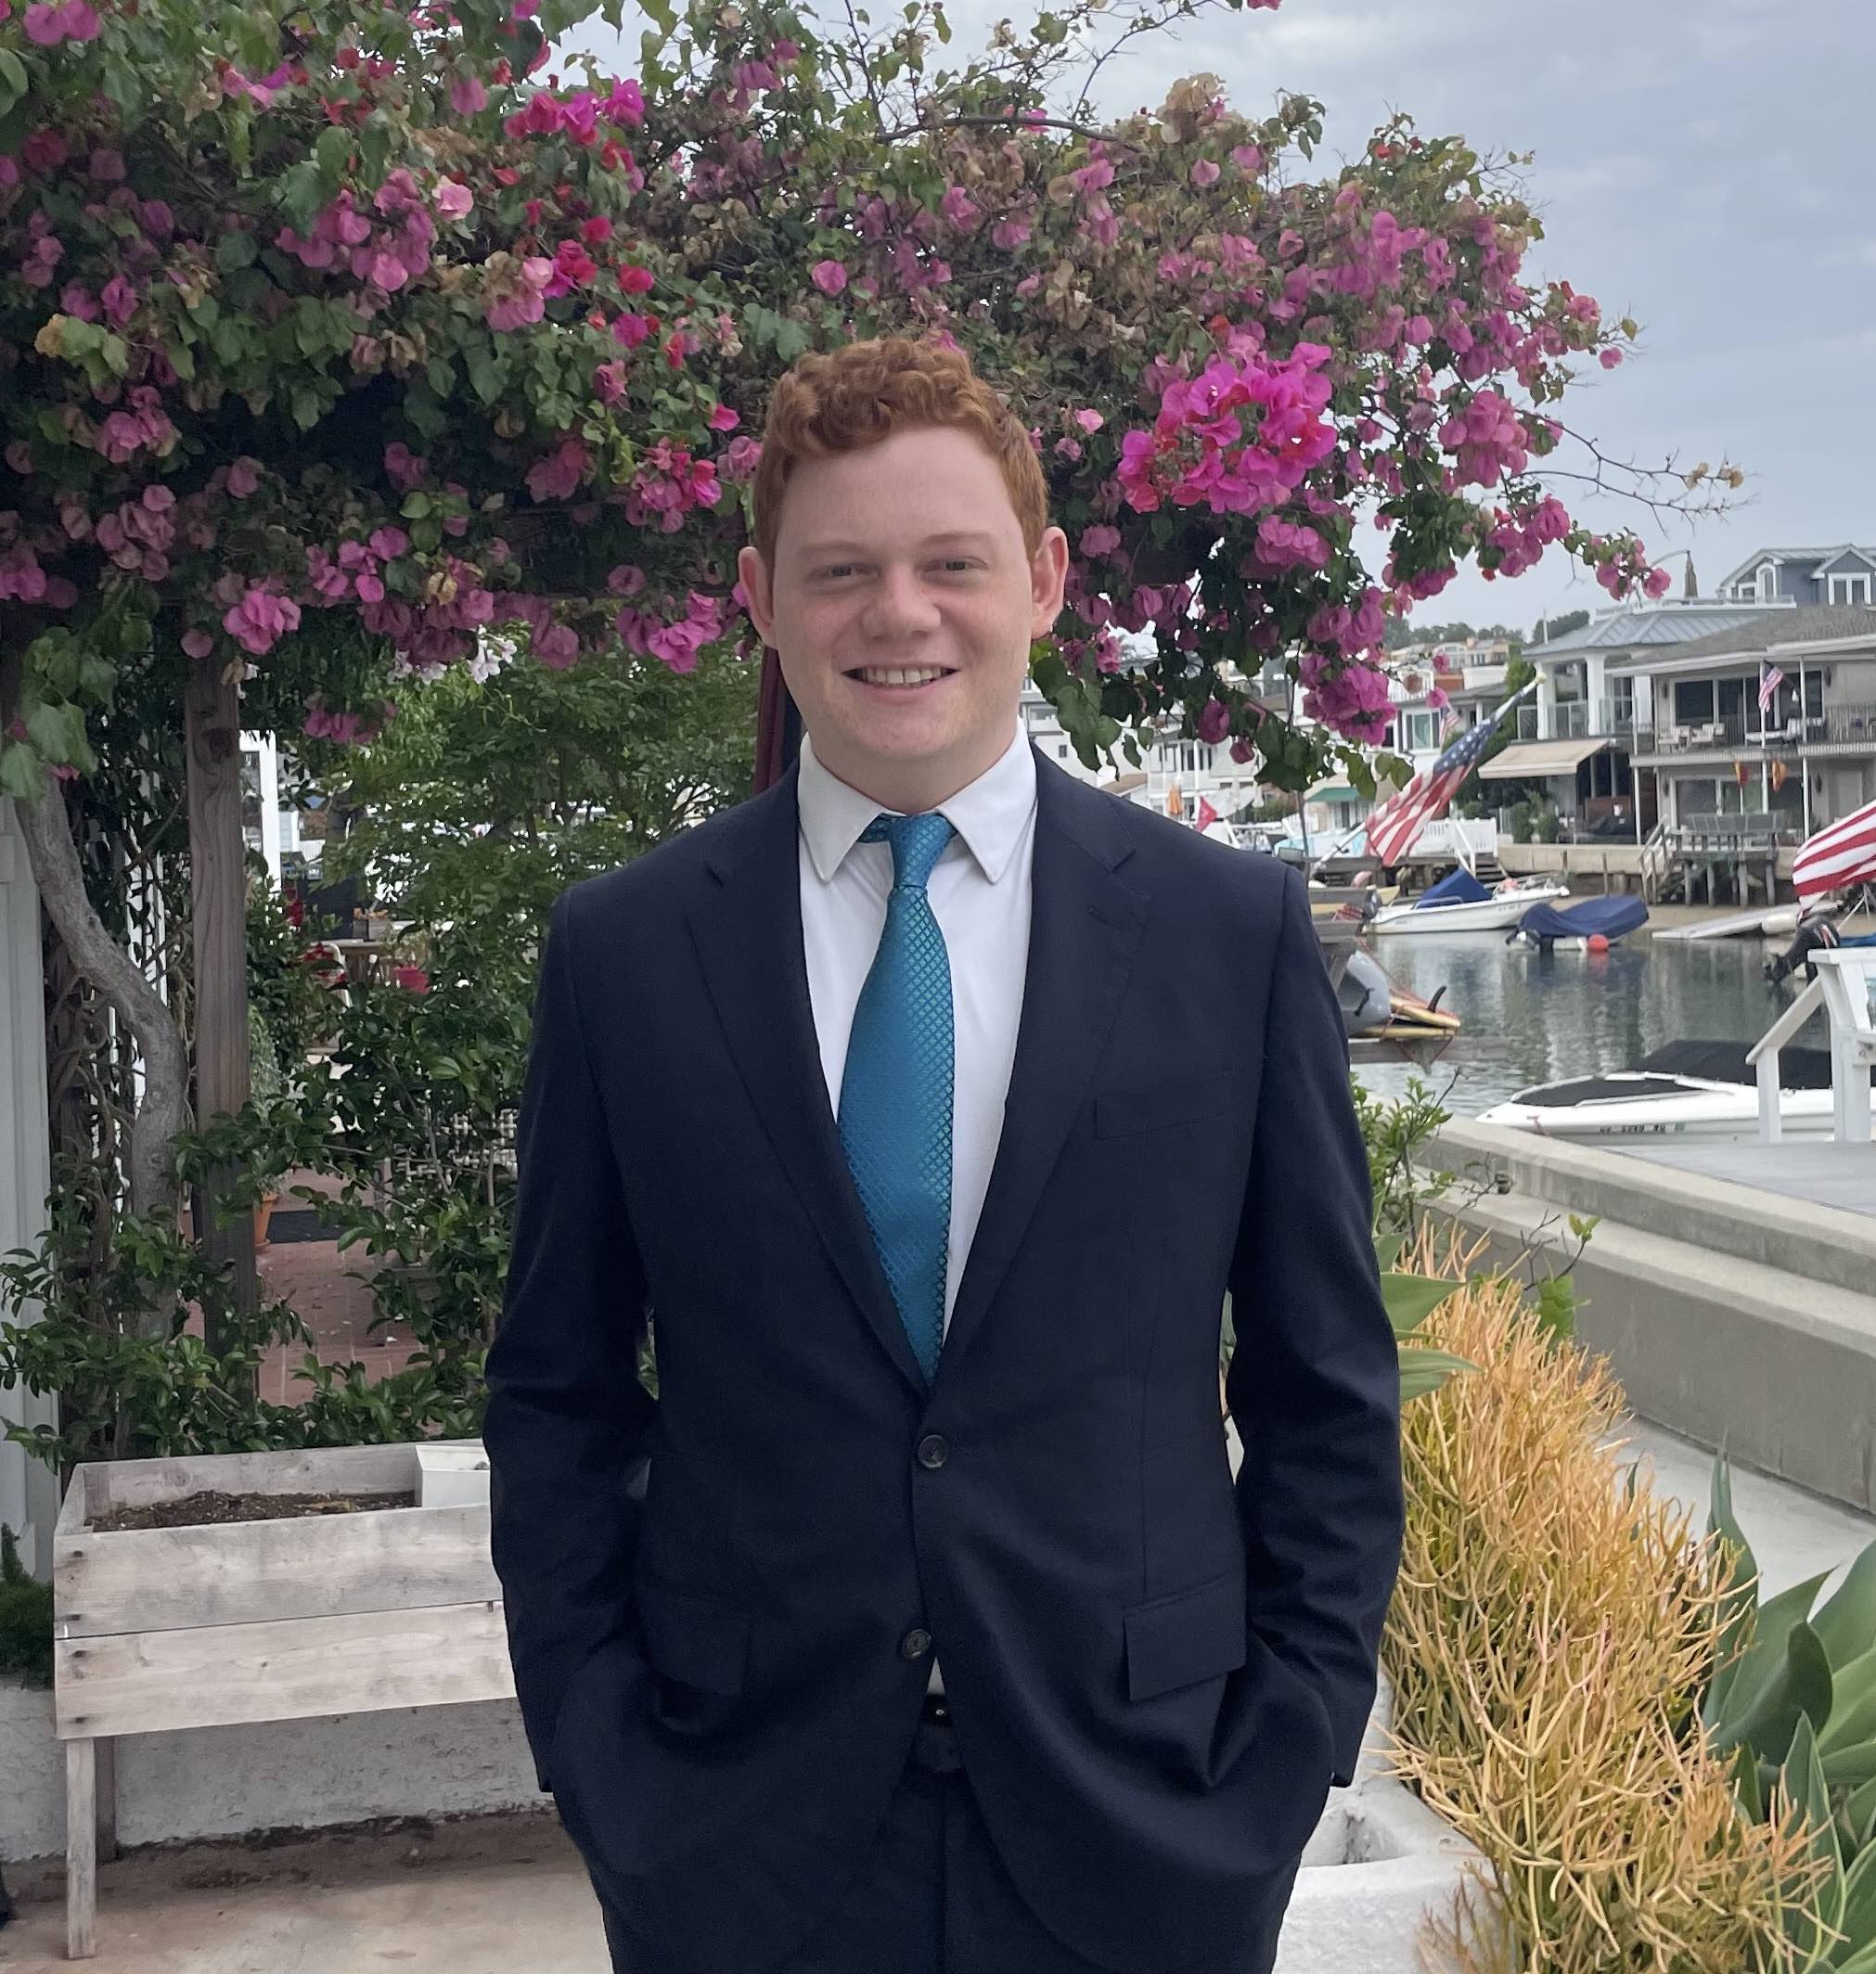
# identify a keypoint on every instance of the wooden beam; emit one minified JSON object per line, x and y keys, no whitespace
{"x":219,"y":1674}
{"x":218,"y":890}
{"x":80,"y":1850}
{"x":307,"y":1565}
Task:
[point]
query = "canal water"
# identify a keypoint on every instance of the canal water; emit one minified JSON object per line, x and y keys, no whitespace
{"x":1532,"y":1018}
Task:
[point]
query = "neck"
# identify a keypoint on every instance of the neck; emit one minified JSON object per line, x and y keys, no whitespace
{"x":910,"y":788}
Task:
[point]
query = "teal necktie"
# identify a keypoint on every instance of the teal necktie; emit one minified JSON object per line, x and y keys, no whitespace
{"x":895,"y":1090}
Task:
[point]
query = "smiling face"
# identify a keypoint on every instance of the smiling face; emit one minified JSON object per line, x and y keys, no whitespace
{"x":902,"y":605}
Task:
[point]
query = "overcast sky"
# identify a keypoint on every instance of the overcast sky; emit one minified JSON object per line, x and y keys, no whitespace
{"x":1700,"y":164}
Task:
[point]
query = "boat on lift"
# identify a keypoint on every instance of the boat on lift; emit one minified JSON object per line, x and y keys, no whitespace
{"x":1699,"y":1090}
{"x":1458,"y":903}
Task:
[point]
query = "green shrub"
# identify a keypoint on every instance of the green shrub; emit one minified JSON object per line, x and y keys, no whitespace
{"x":25,"y":1619}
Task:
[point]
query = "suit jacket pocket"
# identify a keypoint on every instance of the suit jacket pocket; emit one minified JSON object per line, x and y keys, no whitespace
{"x":697,"y":1641}
{"x":1118,"y":1113}
{"x":1192,"y":1636}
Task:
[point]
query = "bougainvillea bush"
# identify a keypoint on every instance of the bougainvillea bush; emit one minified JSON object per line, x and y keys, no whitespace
{"x":371,"y":318}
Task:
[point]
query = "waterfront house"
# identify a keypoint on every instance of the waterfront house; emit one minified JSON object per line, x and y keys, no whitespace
{"x":1577,"y":741}
{"x":1707,"y":749}
{"x":1844,"y":576}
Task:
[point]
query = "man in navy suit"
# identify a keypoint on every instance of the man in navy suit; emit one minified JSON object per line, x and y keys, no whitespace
{"x":927,"y":1106}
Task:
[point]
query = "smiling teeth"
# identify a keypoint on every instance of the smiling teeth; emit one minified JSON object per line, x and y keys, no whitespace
{"x":875,"y":677}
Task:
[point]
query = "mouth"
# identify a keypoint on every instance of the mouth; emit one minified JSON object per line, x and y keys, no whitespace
{"x":902,"y":681}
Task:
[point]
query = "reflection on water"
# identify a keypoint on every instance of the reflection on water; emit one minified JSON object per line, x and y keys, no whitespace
{"x":1534,"y":1018}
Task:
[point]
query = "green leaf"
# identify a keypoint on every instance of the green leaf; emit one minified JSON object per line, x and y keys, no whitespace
{"x":330,"y":154}
{"x":1411,"y":1298}
{"x":21,"y":775}
{"x":1423,"y":1370}
{"x":1811,"y":1807}
{"x":13,"y":83}
{"x":307,"y":406}
{"x":1846,"y":1620}
{"x":56,"y":730}
{"x":486,"y":375}
{"x":236,"y":248}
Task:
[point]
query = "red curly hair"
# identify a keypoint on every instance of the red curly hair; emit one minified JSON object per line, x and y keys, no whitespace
{"x":837,"y":401}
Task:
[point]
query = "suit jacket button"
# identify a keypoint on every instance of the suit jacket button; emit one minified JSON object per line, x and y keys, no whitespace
{"x":914,"y":1645}
{"x":933,"y":1451}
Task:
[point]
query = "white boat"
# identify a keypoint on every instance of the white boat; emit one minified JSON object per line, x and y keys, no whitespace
{"x":1698,"y":1090}
{"x":1460,"y":904}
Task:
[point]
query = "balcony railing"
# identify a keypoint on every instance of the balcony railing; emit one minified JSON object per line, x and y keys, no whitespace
{"x":1835,"y":727}
{"x":1577,"y":720}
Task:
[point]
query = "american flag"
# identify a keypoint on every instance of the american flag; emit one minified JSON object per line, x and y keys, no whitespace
{"x":1770,"y":679}
{"x":1839,"y":858}
{"x":1393,"y":829}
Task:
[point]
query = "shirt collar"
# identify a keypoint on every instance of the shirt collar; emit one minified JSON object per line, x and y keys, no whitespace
{"x":989,"y":814}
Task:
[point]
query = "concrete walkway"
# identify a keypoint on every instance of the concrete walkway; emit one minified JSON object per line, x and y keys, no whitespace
{"x":490,"y":1895}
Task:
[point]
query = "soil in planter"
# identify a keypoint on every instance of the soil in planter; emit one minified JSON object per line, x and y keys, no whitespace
{"x":194,"y":1511}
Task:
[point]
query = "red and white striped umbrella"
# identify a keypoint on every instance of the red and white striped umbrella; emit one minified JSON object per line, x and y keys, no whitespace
{"x":1838,"y":858}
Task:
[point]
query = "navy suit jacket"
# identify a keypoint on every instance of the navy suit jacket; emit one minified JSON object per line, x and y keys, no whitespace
{"x":720,"y":1601}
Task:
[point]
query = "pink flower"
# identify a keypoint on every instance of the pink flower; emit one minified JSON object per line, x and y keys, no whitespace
{"x":244,"y":477}
{"x":608,"y":383}
{"x":1089,"y":421}
{"x":120,"y":301}
{"x":261,"y":618}
{"x":1099,"y":540}
{"x":197,"y":642}
{"x":558,"y":475}
{"x":1205,"y":173}
{"x":387,"y":544}
{"x":1609,"y":359}
{"x":73,"y":21}
{"x":467,"y":95}
{"x":627,"y":580}
{"x":453,"y":200}
{"x":829,"y":276}
{"x":724,"y":419}
{"x":556,"y":646}
{"x":1214,"y":722}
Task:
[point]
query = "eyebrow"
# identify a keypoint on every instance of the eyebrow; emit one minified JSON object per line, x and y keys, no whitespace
{"x":931,"y":541}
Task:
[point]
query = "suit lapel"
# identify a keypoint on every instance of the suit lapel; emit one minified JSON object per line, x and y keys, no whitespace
{"x":1085,"y":929}
{"x":748,"y":933}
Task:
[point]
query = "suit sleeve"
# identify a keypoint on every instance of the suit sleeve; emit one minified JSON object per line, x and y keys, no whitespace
{"x":568,"y":1422}
{"x":1314,"y":1383}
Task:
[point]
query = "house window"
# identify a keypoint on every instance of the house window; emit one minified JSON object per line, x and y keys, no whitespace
{"x":1768,"y":581}
{"x":1692,"y":702}
{"x":1849,"y":589}
{"x":1061,"y":750}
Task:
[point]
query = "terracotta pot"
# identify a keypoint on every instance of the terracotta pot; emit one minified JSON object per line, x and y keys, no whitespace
{"x":262,"y":1214}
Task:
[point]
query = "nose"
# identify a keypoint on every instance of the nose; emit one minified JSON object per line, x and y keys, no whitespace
{"x":898,"y":606}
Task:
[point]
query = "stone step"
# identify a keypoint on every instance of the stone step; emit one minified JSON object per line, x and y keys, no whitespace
{"x":1798,"y":1236}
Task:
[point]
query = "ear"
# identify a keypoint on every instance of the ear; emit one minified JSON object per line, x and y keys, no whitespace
{"x":1047,"y":580}
{"x":753,"y":574}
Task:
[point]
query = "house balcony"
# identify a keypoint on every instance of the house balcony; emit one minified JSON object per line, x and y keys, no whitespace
{"x":1841,"y":730}
{"x":1577,"y":720}
{"x":1482,"y":678}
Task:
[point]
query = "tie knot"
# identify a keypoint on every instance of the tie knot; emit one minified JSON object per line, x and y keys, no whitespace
{"x":917,"y":842}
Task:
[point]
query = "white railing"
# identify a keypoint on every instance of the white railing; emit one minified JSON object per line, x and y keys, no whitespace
{"x":1845,"y":989}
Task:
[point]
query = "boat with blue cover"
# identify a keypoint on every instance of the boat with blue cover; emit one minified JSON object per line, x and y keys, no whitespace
{"x":1458,"y":903}
{"x":1603,"y":920}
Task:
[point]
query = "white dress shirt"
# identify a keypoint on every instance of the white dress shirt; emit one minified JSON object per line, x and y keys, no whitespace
{"x":980,"y":894}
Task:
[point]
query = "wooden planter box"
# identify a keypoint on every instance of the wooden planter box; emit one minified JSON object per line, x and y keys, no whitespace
{"x":156,"y":1629}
